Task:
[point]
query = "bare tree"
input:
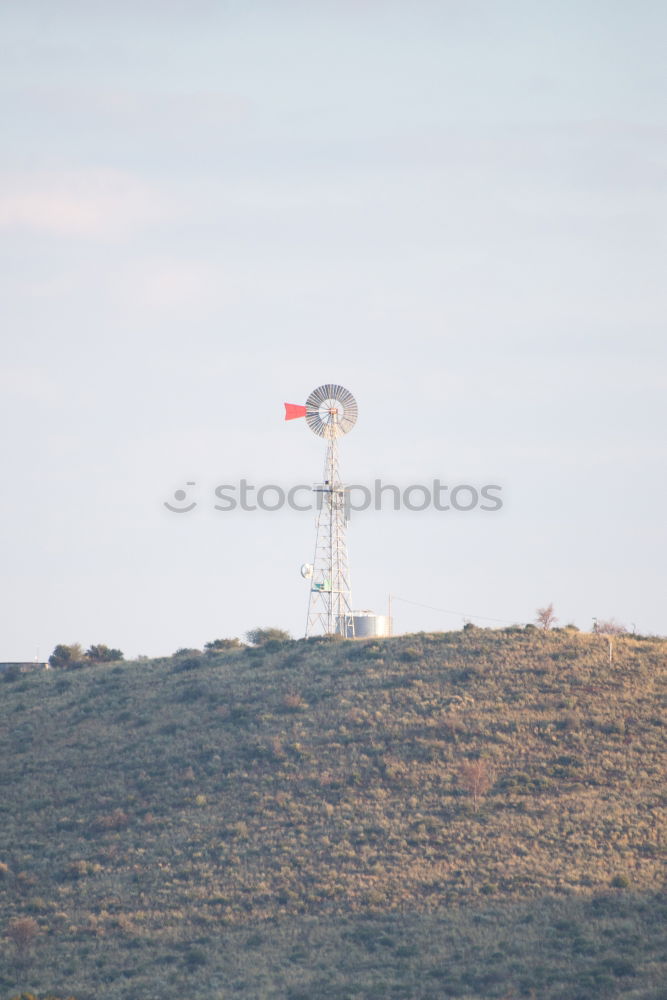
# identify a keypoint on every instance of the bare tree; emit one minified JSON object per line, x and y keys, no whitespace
{"x":22,"y":931}
{"x":545,"y":617}
{"x":476,"y":778}
{"x":608,"y":627}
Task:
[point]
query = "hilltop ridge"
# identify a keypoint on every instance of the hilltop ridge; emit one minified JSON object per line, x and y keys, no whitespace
{"x":293,"y":788}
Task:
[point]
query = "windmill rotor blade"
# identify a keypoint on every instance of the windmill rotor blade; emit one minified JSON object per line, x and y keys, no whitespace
{"x":331,"y":397}
{"x":317,"y":397}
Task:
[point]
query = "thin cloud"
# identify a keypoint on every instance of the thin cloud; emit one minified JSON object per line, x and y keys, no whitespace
{"x":28,"y":383}
{"x":89,"y":203}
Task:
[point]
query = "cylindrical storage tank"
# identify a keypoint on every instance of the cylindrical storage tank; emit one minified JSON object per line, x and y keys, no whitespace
{"x":369,"y":626}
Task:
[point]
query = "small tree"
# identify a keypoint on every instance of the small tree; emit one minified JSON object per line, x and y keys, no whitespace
{"x":103,"y":654}
{"x":476,"y":778}
{"x":545,"y":617}
{"x":66,"y":657}
{"x":260,"y":636}
{"x":22,"y":932}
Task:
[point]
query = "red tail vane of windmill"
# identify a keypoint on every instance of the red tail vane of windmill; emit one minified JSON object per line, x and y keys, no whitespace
{"x":294,"y":410}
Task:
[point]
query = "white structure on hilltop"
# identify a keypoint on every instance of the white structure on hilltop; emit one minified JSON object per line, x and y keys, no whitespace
{"x":330,"y":412}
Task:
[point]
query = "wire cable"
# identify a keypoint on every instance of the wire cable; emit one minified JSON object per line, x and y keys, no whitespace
{"x":448,"y":611}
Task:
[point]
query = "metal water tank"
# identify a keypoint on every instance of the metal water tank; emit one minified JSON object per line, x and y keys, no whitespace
{"x":368,"y":625}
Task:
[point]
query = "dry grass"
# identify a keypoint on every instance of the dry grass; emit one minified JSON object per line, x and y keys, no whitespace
{"x":156,"y":822}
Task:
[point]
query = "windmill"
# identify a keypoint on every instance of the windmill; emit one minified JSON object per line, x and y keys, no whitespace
{"x":330,"y":412}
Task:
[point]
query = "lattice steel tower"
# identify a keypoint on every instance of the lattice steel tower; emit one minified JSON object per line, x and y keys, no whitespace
{"x":330,"y":412}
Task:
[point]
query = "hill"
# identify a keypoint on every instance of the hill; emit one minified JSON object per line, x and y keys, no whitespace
{"x":468,"y":814}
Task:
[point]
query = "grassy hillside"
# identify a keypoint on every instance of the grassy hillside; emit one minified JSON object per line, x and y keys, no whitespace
{"x":300,"y":820}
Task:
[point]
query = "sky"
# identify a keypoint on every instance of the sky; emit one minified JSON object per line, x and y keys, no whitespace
{"x":454,"y":209}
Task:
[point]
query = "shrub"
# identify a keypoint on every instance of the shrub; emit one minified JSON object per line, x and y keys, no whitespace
{"x":260,"y":636}
{"x":103,"y":654}
{"x":620,"y":966}
{"x":368,"y":650}
{"x":75,"y":870}
{"x":452,"y":726}
{"x":193,"y":692}
{"x":187,"y":651}
{"x":216,"y":645}
{"x":609,"y":627}
{"x":189,"y":663}
{"x":116,"y":820}
{"x":294,"y":702}
{"x":195,"y":958}
{"x":67,"y":657}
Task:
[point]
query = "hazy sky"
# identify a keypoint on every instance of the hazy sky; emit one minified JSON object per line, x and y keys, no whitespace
{"x":455,"y":209}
